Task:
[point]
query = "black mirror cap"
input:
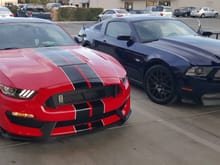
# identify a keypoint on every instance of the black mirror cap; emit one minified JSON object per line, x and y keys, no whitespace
{"x":124,"y":38}
{"x":206,"y":33}
{"x":130,"y":40}
{"x":78,"y":39}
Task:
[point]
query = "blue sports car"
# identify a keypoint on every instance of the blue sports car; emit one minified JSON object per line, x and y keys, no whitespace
{"x":163,"y":55}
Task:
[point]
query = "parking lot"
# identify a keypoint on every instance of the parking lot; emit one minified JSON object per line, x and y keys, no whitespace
{"x":178,"y":134}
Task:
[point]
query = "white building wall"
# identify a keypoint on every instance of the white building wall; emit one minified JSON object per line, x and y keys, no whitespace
{"x":75,"y":2}
{"x":196,"y":3}
{"x":139,"y":5}
{"x":2,"y":2}
{"x":107,"y":4}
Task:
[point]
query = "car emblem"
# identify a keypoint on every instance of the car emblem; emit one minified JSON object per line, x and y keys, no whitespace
{"x":60,"y":98}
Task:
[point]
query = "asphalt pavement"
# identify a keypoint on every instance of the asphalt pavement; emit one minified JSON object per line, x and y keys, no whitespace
{"x":177,"y":134}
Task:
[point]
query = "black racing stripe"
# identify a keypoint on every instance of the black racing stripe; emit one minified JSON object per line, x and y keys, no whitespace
{"x":82,"y":112}
{"x":97,"y":124}
{"x":75,"y":77}
{"x":67,"y":62}
{"x":91,"y":75}
{"x":82,"y":127}
{"x":53,"y":56}
{"x":97,"y":108}
{"x":71,"y":58}
{"x":86,"y":69}
{"x":60,"y":57}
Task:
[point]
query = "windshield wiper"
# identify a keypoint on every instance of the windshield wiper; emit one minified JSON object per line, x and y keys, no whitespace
{"x":150,"y":40}
{"x":48,"y":44}
{"x":9,"y":48}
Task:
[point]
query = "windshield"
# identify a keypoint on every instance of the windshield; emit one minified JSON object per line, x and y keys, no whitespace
{"x":167,"y":10}
{"x":32,"y":35}
{"x":122,"y":11}
{"x":152,"y":30}
{"x":157,"y":8}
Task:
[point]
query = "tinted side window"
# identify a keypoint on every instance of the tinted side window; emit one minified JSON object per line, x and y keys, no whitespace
{"x":106,"y":12}
{"x":109,"y":12}
{"x":98,"y":27}
{"x":114,"y":29}
{"x":157,"y":8}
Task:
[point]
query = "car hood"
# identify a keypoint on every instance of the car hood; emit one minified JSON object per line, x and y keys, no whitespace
{"x":47,"y":67}
{"x":194,"y":49}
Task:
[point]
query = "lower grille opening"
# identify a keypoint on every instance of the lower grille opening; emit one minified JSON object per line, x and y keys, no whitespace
{"x":90,"y":119}
{"x":82,"y":96}
{"x":33,"y":123}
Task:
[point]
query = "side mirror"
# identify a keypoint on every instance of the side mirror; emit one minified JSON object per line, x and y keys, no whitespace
{"x":206,"y":33}
{"x":124,"y":38}
{"x":130,"y":40}
{"x":78,"y":39}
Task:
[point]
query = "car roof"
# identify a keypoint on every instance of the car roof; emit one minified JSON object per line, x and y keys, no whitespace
{"x":24,"y":20}
{"x":132,"y":18}
{"x":2,"y":7}
{"x":114,"y":9}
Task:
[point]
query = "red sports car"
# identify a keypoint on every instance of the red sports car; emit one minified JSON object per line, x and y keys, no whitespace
{"x":50,"y":86}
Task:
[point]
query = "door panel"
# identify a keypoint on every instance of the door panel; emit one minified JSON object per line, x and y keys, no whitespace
{"x":126,"y":55}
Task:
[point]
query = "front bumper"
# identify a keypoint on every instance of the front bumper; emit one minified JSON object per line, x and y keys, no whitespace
{"x":48,"y":128}
{"x":206,"y":92}
{"x":63,"y":119}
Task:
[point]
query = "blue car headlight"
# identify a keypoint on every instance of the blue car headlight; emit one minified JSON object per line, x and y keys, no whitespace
{"x":17,"y":93}
{"x":198,"y":71}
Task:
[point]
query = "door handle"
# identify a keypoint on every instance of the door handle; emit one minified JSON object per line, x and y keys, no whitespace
{"x":137,"y":60}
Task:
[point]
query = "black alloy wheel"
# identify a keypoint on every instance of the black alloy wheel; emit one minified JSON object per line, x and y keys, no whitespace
{"x":160,"y":85}
{"x":185,"y":15}
{"x":203,"y":16}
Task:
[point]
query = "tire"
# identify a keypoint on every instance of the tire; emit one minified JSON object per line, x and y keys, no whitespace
{"x":216,"y":15}
{"x":160,"y":85}
{"x":185,"y":15}
{"x":86,"y":44}
{"x":203,"y":16}
{"x":99,"y":20}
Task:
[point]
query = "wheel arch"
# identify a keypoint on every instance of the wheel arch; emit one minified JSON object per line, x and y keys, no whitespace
{"x":154,"y":62}
{"x":157,"y":62}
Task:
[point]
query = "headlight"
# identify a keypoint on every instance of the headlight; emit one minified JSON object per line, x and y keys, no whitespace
{"x":198,"y":71}
{"x":17,"y":93}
